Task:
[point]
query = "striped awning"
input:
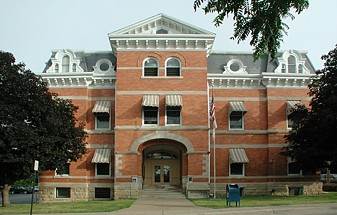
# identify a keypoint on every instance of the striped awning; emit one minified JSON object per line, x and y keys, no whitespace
{"x":174,"y":100}
{"x":150,"y":101}
{"x":101,"y":156}
{"x":102,"y":107}
{"x":237,"y":106}
{"x":238,"y":156}
{"x":291,"y":105}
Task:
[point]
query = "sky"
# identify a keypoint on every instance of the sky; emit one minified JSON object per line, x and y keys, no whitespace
{"x":30,"y":29}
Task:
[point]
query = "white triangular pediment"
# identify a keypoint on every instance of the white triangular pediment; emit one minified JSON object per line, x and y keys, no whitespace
{"x":161,"y":24}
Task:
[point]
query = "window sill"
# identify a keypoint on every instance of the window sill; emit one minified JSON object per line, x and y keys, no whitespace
{"x":61,"y":176}
{"x":103,"y":176}
{"x":161,"y":77}
{"x":236,"y":129}
{"x":236,"y":176}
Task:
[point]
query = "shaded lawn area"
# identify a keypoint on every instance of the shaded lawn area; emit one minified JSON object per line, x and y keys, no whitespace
{"x":68,"y":207}
{"x":251,"y":201}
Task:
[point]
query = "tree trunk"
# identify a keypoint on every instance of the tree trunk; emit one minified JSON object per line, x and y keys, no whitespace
{"x":5,"y":195}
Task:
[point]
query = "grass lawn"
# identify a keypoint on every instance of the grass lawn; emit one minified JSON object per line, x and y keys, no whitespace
{"x":251,"y":201}
{"x":68,"y":207}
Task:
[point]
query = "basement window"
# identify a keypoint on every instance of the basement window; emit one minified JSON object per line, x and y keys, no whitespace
{"x":62,"y":192}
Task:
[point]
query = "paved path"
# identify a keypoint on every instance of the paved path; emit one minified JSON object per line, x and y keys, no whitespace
{"x":154,"y":202}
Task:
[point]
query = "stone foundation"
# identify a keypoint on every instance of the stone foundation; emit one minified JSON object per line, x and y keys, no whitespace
{"x":277,"y":189}
{"x":78,"y":192}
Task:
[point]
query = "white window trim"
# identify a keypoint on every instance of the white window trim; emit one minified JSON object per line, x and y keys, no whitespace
{"x":238,"y":176}
{"x":180,"y":123}
{"x":287,"y":120}
{"x":62,"y":197}
{"x":236,"y":129}
{"x":143,"y":67}
{"x":150,"y":125}
{"x":180,"y":73}
{"x":62,"y":175}
{"x":102,"y":176}
{"x":102,"y":129}
{"x":296,"y":174}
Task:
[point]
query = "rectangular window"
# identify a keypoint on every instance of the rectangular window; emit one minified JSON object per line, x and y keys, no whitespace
{"x":284,"y":69}
{"x":151,"y":71}
{"x":62,"y":192}
{"x":290,"y":122}
{"x":64,"y":171}
{"x":102,"y":120}
{"x":173,"y":115}
{"x":102,"y":169}
{"x":173,"y":71}
{"x":102,"y":193}
{"x":237,"y":169}
{"x":236,"y":120}
{"x":294,"y":168}
{"x":150,"y":115}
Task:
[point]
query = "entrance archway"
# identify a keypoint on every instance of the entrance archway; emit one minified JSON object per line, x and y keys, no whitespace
{"x":164,"y":163}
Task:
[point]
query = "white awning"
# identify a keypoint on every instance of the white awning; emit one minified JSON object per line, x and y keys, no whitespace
{"x":150,"y":101}
{"x":102,"y":107}
{"x":173,"y":100}
{"x":291,"y":105}
{"x":101,"y":156}
{"x":238,"y":156}
{"x":237,"y":106}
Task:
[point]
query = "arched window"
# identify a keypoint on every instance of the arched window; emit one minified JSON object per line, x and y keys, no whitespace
{"x":65,"y":63}
{"x":57,"y":67}
{"x":291,"y":64}
{"x":74,"y":67}
{"x":150,"y":67}
{"x":173,"y":67}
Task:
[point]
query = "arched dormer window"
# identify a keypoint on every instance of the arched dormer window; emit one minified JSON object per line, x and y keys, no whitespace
{"x":57,"y":68}
{"x":65,"y":63}
{"x":291,"y":64}
{"x":150,"y":67}
{"x":173,"y":67}
{"x":74,"y":67}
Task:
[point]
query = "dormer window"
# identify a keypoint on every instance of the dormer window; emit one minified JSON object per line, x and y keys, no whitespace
{"x":291,"y":64}
{"x":74,"y":67}
{"x":300,"y":69}
{"x":56,"y":68}
{"x":150,"y":67}
{"x":172,"y":67}
{"x":65,"y":63}
{"x":284,"y":68}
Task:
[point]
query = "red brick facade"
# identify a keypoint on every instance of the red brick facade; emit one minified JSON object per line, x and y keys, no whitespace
{"x":262,"y":136}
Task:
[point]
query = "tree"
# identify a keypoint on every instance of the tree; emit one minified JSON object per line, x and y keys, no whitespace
{"x":262,"y":20}
{"x":312,"y":141}
{"x":34,"y":125}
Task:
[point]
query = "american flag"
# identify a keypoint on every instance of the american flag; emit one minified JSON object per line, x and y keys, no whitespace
{"x":212,"y":113}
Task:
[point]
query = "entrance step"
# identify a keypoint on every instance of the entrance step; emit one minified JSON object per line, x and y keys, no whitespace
{"x":166,"y":192}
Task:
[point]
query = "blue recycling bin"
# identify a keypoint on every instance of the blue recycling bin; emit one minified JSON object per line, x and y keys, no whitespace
{"x":232,"y":194}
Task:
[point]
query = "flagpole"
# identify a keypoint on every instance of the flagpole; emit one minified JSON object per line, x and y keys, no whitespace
{"x":214,"y":157}
{"x":214,"y":163}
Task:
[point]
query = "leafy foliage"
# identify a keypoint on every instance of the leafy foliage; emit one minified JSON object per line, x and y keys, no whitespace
{"x":312,"y":142}
{"x":34,"y":124}
{"x":262,"y":20}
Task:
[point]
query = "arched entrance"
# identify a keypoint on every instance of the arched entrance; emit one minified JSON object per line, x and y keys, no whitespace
{"x":164,"y":163}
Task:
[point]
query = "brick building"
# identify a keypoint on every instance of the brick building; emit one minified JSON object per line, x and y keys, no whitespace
{"x":145,"y":105}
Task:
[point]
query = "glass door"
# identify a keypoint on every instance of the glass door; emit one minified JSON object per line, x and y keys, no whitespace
{"x":157,"y":174}
{"x":166,"y":173}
